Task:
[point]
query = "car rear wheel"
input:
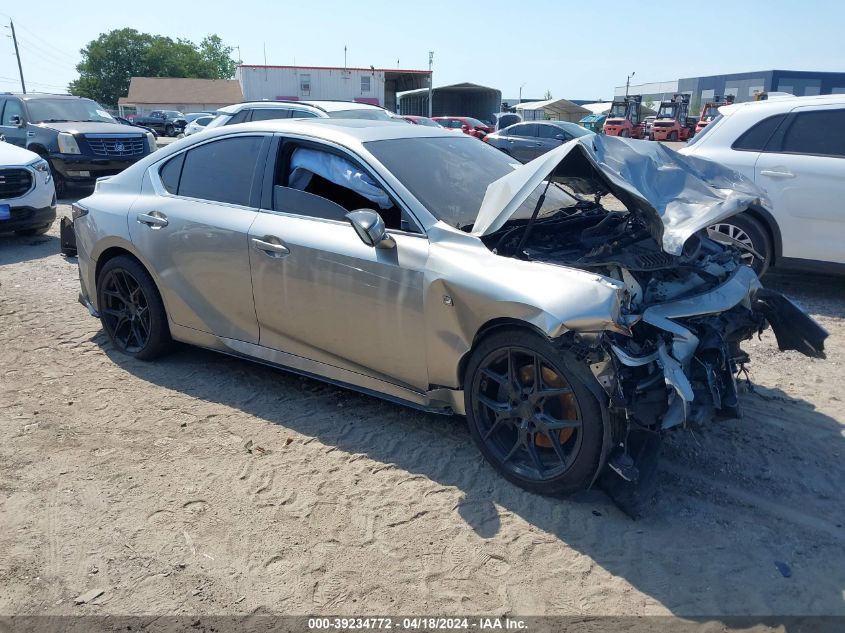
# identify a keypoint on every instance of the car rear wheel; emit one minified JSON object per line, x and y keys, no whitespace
{"x":531,"y":415}
{"x":131,"y":309}
{"x":39,"y":230}
{"x":624,"y":134}
{"x":673,"y":136}
{"x":749,"y":232}
{"x":168,"y":131}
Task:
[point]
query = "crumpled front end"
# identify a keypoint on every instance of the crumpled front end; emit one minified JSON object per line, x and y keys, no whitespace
{"x":689,"y":298}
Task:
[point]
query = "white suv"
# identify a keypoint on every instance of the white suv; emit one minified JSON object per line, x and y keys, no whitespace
{"x":265,"y":110}
{"x":27,"y":192}
{"x":793,"y":149}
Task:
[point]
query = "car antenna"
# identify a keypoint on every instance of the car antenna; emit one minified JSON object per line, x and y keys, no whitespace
{"x":530,"y":224}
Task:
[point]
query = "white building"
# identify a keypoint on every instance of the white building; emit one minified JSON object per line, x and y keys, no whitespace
{"x":376,"y":86}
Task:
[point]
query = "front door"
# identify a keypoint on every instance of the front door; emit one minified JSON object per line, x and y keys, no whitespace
{"x":523,"y":142}
{"x":14,"y":134}
{"x":194,"y":230}
{"x":321,"y":293}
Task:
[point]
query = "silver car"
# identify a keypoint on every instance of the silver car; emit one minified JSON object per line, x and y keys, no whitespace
{"x":572,"y":308}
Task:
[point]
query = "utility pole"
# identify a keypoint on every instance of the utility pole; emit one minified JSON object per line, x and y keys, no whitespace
{"x":628,"y":82}
{"x":344,"y":57}
{"x":520,"y":92}
{"x":430,"y":81}
{"x":17,"y":54}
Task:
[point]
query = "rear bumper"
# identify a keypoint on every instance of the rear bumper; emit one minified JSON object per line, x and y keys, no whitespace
{"x":70,"y":166}
{"x":29,"y":218}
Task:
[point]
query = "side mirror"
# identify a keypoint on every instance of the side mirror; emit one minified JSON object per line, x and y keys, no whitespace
{"x":16,"y":121}
{"x":561,"y":137}
{"x":370,"y":228}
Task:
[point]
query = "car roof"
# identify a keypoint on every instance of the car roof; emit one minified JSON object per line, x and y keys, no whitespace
{"x":342,"y":131}
{"x":324,"y":105}
{"x":782,"y":104}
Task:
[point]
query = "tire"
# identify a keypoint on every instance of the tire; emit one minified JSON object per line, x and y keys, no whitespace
{"x":651,"y":137}
{"x":39,"y":230}
{"x":624,"y":134}
{"x":131,"y":309}
{"x":673,"y":136}
{"x":747,"y":230}
{"x":556,"y":461}
{"x":168,"y":130}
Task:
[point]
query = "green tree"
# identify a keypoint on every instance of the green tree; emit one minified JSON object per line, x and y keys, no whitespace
{"x":111,"y":60}
{"x":548,"y":95}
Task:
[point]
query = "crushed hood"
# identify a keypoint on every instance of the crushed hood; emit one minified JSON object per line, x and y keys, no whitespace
{"x":675,"y":195}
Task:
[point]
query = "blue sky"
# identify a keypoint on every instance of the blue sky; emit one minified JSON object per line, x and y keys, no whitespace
{"x":577,"y":50}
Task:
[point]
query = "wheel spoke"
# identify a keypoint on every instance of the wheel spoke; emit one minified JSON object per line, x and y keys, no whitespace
{"x":495,"y":377}
{"x":531,"y":447}
{"x":555,"y":440}
{"x":513,"y":450}
{"x":497,"y":407}
{"x":496,"y":424}
{"x":554,"y":424}
{"x":537,"y":387}
{"x":549,"y":392}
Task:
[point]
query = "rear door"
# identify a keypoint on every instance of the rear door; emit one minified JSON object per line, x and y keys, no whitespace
{"x":13,"y":134}
{"x":522,"y":142}
{"x":802,"y":169}
{"x":193,"y":229}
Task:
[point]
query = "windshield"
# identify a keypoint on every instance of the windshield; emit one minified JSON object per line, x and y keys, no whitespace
{"x":58,"y":110}
{"x":710,"y":112}
{"x":667,"y":111}
{"x":450,"y":176}
{"x":372,"y":114}
{"x":617,"y":110}
{"x":427,"y":122}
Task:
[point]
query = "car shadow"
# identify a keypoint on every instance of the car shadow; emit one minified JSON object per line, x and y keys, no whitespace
{"x":725,"y":490}
{"x":20,"y":248}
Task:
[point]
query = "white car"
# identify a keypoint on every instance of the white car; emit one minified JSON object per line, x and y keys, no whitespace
{"x":793,"y":149}
{"x":267,"y":110}
{"x":27,"y":192}
{"x":198,"y":124}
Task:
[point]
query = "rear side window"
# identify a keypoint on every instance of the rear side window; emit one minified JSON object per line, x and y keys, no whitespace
{"x":221,"y":171}
{"x":817,"y":133}
{"x":552,"y":132}
{"x":302,"y":114}
{"x":755,"y":138}
{"x":238,"y":117}
{"x":170,"y":173}
{"x":526,"y":129}
{"x":268,"y":114}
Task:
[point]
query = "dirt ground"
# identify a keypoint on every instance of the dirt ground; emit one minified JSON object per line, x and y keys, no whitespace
{"x":134,"y":479}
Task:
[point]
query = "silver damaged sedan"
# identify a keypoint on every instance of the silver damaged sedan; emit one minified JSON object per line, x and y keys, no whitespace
{"x":573,"y":308}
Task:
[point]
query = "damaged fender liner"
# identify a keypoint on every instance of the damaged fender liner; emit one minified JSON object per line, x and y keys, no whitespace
{"x":793,"y":328}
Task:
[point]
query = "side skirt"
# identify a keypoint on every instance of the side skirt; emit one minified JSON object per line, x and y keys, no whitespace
{"x":442,"y":401}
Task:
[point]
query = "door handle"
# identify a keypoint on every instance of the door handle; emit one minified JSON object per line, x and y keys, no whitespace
{"x":776,"y":174}
{"x":538,"y":144}
{"x":154,"y":219}
{"x":269,"y":248}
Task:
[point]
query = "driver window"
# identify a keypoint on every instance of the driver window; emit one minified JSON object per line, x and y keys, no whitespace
{"x":327,"y":185}
{"x":13,"y":108}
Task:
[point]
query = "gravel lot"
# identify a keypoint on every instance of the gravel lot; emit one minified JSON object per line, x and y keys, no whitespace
{"x":135,"y":479}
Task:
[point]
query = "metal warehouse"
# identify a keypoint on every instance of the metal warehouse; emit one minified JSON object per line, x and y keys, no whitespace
{"x":743,"y":86}
{"x":376,"y":86}
{"x":463,"y":99}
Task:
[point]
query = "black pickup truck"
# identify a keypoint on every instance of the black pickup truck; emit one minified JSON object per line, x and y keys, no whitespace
{"x":167,"y":122}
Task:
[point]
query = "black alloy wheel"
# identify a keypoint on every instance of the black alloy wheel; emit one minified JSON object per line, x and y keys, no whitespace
{"x":131,"y":309}
{"x":534,"y":420}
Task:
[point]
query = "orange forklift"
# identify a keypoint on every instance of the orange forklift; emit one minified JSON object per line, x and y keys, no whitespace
{"x":673,"y":122}
{"x":711,"y":109}
{"x":625,"y":118}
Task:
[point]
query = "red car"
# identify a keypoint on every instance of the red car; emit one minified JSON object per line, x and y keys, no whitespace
{"x":465,"y":124}
{"x":420,"y":120}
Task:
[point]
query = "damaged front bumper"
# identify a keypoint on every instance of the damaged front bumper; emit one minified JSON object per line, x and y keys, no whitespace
{"x":684,"y":367}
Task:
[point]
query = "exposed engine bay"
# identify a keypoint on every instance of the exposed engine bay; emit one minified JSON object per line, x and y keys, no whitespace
{"x":676,"y":357}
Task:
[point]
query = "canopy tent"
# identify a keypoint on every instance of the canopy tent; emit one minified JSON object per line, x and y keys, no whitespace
{"x":553,"y":109}
{"x":600,"y":107}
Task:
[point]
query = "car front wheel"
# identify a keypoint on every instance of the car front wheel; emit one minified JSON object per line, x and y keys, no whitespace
{"x":131,"y":309}
{"x":748,"y":232}
{"x":169,"y":131}
{"x":531,"y":414}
